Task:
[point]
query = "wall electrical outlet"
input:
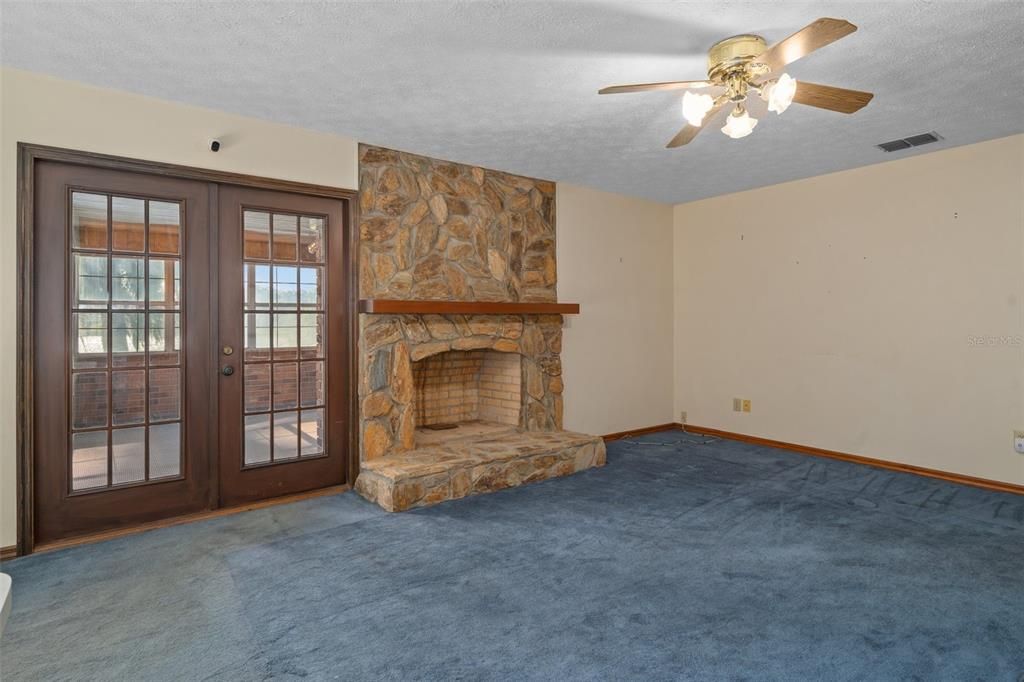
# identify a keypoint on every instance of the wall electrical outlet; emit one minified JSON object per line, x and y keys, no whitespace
{"x":682,"y":417}
{"x":746,"y":405}
{"x":1018,"y":441}
{"x":737,"y":404}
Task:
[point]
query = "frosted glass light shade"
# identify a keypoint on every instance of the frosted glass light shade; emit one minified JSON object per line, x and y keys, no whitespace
{"x":696,"y":107}
{"x":780,"y":96}
{"x":739,"y":125}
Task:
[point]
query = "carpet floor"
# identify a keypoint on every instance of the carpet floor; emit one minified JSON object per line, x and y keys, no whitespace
{"x":681,"y":559}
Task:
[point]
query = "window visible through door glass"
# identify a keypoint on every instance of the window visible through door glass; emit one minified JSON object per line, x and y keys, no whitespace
{"x":128,"y":339}
{"x":286,"y":287}
{"x":126,"y":313}
{"x":127,"y":282}
{"x":164,"y":283}
{"x":283,"y":399}
{"x":90,"y":338}
{"x":89,"y":281}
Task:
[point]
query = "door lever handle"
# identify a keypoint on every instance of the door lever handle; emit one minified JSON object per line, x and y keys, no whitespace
{"x":227,"y":370}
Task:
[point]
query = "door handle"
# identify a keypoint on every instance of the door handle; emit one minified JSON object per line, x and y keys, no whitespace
{"x":227,"y":370}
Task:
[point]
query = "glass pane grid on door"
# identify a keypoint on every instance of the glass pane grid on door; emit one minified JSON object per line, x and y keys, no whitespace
{"x":126,"y":363}
{"x":283,"y":380}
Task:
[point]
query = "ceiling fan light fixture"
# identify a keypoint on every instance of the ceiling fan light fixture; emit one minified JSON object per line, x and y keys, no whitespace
{"x":781,"y":93}
{"x":744,"y":66}
{"x":696,"y":107}
{"x":739,"y":124}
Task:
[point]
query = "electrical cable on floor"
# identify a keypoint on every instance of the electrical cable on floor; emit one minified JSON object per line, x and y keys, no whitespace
{"x":705,"y":438}
{"x":694,"y":439}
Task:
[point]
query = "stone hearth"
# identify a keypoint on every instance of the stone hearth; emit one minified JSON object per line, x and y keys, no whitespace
{"x":478,"y":458}
{"x":437,"y":231}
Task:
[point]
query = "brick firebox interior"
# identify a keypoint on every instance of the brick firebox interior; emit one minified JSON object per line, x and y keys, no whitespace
{"x":467,"y":386}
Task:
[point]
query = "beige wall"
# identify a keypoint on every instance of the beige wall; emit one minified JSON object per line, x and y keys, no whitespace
{"x":845,"y":306}
{"x":615,"y":258}
{"x":624,"y":334}
{"x":848,"y":308}
{"x":49,"y":111}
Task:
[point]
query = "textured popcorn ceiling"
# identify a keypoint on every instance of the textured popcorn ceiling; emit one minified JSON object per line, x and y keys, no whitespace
{"x":511,"y":85}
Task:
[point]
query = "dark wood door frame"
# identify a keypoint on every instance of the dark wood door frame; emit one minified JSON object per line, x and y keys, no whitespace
{"x":28,"y":155}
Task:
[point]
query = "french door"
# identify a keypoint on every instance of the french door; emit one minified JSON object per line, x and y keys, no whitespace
{"x":281,"y":278}
{"x":188,"y":347}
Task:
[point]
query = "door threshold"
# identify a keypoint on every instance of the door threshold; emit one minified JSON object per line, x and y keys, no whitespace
{"x":188,"y":518}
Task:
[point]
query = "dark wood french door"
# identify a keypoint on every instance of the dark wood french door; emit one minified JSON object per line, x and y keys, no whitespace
{"x":121,"y":367}
{"x":188,"y":347}
{"x":282,"y":279}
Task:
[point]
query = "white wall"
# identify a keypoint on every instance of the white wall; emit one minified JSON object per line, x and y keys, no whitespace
{"x":849,"y":308}
{"x":615,"y":259}
{"x":60,"y":113}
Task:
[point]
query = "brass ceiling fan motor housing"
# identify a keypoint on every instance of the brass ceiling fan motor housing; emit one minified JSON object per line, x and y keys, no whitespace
{"x":731,"y":57}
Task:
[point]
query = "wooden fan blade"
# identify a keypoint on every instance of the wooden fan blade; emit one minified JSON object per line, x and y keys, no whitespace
{"x":688,"y":132}
{"x":828,"y":97}
{"x":808,"y":39}
{"x":646,"y":87}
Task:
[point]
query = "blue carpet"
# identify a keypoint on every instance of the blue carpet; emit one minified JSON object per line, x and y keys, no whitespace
{"x":679,"y":560}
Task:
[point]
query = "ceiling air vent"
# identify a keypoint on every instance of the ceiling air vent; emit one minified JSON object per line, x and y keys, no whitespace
{"x":908,"y":142}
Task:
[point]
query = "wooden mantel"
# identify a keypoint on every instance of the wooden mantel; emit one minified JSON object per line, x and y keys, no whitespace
{"x":392,"y":306}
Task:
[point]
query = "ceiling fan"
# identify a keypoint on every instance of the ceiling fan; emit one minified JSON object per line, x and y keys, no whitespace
{"x":744,"y":64}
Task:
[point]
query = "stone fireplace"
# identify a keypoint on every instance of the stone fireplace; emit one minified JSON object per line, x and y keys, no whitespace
{"x":436,"y":235}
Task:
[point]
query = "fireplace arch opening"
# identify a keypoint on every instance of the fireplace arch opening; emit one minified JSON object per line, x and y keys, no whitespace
{"x":461,"y":387}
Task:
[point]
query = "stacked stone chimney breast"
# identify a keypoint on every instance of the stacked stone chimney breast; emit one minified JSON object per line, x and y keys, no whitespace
{"x":434,"y":230}
{"x":440,"y":231}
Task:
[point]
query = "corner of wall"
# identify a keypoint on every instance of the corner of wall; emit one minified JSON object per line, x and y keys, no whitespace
{"x":884,"y":319}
